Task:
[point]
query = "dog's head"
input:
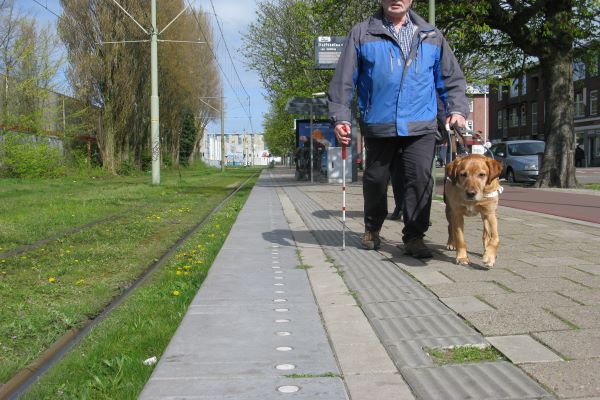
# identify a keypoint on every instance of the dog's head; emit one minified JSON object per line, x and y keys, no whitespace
{"x":473,"y":173}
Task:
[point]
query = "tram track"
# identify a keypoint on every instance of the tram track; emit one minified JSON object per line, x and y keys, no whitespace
{"x":24,"y":379}
{"x":78,"y":229}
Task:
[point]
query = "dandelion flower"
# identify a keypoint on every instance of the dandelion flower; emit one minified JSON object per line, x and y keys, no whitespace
{"x":52,"y":280}
{"x":178,"y":273}
{"x":187,"y":267}
{"x":176,"y":293}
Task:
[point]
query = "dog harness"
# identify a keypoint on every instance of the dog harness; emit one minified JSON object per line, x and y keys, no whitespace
{"x":495,"y":192}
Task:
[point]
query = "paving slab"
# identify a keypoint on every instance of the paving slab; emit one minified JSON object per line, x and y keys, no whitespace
{"x":520,"y":301}
{"x":593,"y":269}
{"x":408,"y":308}
{"x":235,"y":388}
{"x":502,"y":322}
{"x":394,"y":330}
{"x":522,"y":349}
{"x":499,"y":380}
{"x":466,"y":289}
{"x":577,"y":344}
{"x":584,"y":296}
{"x":378,"y":387}
{"x":588,"y":281}
{"x":582,"y":316}
{"x":470,"y":274}
{"x":568,"y":379}
{"x":539,"y":284}
{"x":548,"y":272}
{"x":465,"y":304}
{"x":430,"y":277}
{"x":554,"y":261}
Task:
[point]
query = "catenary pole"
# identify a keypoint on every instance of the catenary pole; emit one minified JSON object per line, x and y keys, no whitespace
{"x":222,"y":132}
{"x":154,"y":112}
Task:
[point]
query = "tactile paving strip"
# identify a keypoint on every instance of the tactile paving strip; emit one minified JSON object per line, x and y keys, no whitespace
{"x":499,"y":380}
{"x":408,"y":318}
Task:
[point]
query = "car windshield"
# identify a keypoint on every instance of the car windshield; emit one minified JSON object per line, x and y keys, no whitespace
{"x":526,"y":149}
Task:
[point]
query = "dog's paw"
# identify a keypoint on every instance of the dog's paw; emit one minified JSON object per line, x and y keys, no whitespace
{"x":488,"y":261}
{"x":450,"y":246}
{"x":463,"y":260}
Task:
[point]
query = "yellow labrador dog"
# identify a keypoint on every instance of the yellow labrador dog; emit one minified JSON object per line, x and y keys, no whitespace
{"x":472,"y":187}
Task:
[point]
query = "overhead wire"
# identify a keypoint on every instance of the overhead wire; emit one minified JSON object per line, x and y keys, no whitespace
{"x":245,"y":107}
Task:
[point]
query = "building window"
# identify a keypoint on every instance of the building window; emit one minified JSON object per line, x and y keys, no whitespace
{"x":534,"y":122}
{"x":500,"y":120}
{"x":470,"y":124}
{"x":593,"y":102}
{"x":505,"y":120}
{"x":500,"y":92}
{"x":524,"y":85}
{"x":514,"y":88}
{"x":470,"y":105}
{"x":594,"y":67}
{"x":523,"y":115}
{"x":578,"y":70}
{"x":514,"y":118}
{"x":535,"y":82}
{"x":579,"y":106}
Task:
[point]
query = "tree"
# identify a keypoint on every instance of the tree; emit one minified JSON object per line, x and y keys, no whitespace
{"x":115,"y":77}
{"x":279,"y":46}
{"x":516,"y":33}
{"x":28,"y":69}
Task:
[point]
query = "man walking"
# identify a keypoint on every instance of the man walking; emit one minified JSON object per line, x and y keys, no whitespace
{"x":398,"y":63}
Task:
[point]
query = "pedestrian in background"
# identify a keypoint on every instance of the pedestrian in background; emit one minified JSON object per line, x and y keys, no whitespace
{"x":398,"y":190}
{"x":397,"y":62}
{"x":579,"y":156}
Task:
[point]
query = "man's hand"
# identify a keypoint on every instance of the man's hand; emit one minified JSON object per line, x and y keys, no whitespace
{"x":343,"y":133}
{"x":457,"y":119}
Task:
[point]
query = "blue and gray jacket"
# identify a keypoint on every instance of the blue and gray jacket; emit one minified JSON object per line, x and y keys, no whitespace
{"x":396,"y":97}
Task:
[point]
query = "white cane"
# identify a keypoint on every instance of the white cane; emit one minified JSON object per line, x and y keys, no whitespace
{"x":343,"y":196}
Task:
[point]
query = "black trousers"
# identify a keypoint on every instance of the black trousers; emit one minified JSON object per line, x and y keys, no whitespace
{"x":410,"y":158}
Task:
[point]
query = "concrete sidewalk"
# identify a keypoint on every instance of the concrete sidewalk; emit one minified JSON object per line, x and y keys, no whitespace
{"x":361,"y":320}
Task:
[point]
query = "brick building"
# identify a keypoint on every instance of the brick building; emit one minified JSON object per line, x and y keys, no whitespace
{"x":518,"y":111}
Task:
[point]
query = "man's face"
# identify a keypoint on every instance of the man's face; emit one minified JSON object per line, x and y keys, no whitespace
{"x":395,"y":8}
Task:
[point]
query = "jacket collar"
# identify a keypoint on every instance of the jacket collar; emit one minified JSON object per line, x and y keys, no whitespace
{"x":376,"y":27}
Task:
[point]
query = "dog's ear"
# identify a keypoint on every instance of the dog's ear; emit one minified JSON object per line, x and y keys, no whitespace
{"x":495,"y":168}
{"x":452,"y":169}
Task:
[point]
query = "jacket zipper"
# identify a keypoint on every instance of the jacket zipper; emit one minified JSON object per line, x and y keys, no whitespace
{"x":391,"y":61}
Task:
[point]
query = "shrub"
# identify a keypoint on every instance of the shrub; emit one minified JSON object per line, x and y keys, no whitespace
{"x":25,"y":156}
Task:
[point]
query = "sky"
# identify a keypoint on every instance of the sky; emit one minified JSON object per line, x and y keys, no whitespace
{"x":234,"y":17}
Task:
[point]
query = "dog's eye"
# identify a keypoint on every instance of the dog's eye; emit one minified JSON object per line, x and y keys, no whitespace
{"x":482,"y":175}
{"x":463,"y":174}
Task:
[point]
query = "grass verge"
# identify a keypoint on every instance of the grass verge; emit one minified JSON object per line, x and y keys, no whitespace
{"x":463,"y":354}
{"x":46,"y":292}
{"x":592,"y":186}
{"x":108,"y":363}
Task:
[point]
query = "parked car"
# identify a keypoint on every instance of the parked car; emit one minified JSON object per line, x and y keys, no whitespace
{"x":519,"y":158}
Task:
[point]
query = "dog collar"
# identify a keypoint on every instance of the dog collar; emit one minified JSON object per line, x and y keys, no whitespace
{"x":495,"y":192}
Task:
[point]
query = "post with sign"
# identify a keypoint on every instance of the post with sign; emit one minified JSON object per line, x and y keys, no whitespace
{"x":327,"y":53}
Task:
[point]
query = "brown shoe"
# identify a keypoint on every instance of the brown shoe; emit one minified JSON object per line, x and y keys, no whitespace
{"x":417,"y":249}
{"x":370,"y":240}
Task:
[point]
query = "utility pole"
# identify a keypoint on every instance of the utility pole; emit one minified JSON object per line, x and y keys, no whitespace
{"x":154,"y":113}
{"x":432,"y":12}
{"x":222,"y":132}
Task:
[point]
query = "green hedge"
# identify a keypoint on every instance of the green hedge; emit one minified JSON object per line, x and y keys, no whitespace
{"x":21,"y":156}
